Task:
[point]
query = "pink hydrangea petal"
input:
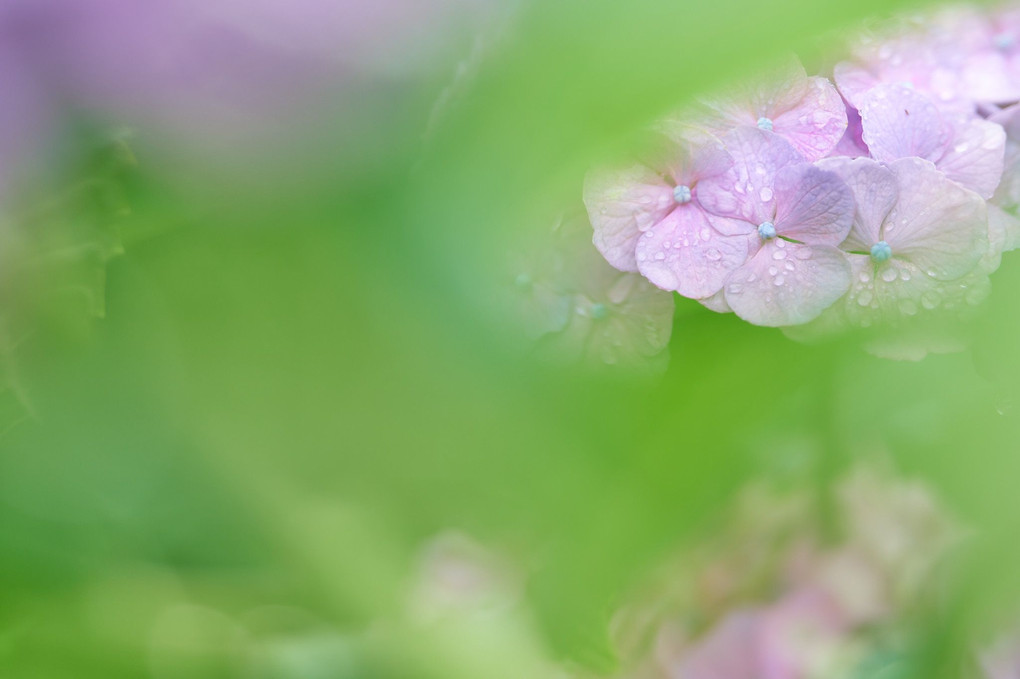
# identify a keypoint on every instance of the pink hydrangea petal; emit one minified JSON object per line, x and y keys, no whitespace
{"x":852,"y":142}
{"x":854,"y":81}
{"x":816,"y":122}
{"x":686,"y":160}
{"x":684,"y":253}
{"x":812,"y":205}
{"x":745,"y":191}
{"x":899,"y":122}
{"x":717,"y":303}
{"x":936,"y":223}
{"x":975,"y":158}
{"x":787,"y":283}
{"x":763,"y":95}
{"x":875,"y":192}
{"x":622,"y":204}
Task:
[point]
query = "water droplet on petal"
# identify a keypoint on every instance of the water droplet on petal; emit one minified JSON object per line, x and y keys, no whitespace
{"x":930,"y":300}
{"x":773,"y":271}
{"x":889,"y":274}
{"x":864,"y":299}
{"x":779,"y":254}
{"x":713,"y":254}
{"x":765,"y":194}
{"x":779,"y":280}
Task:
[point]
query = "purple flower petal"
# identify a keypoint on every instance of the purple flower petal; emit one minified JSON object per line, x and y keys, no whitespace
{"x":815,"y":123}
{"x":875,"y":192}
{"x":899,"y":122}
{"x":975,"y":157}
{"x":812,"y":205}
{"x":936,"y":224}
{"x":746,"y":190}
{"x":787,"y":283}
{"x":621,"y":205}
{"x":684,"y":253}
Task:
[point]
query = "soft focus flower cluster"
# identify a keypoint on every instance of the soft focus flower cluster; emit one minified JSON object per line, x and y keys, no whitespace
{"x":883,"y":195}
{"x":777,"y":594}
{"x":575,"y":309}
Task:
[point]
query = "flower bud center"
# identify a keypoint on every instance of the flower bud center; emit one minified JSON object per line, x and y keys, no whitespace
{"x":881,"y":251}
{"x":682,"y":194}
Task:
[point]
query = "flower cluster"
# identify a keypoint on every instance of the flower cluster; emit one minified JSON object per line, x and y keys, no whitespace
{"x":771,"y":595}
{"x":885,"y":194}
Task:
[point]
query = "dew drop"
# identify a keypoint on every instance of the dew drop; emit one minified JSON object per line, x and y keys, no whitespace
{"x":765,"y":194}
{"x":773,"y":271}
{"x":659,"y":256}
{"x":706,"y":234}
{"x":930,"y":300}
{"x":779,"y":254}
{"x":713,"y":254}
{"x":905,"y":274}
{"x":864,"y":299}
{"x":789,"y":266}
{"x":908,"y":307}
{"x":889,"y":274}
{"x":779,"y":280}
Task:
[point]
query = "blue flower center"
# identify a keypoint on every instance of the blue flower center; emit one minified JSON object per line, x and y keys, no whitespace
{"x":765,"y":123}
{"x":682,"y":194}
{"x":881,"y":251}
{"x":767,"y":230}
{"x":599,"y":311}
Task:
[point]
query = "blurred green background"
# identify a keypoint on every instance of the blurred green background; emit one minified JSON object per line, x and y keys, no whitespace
{"x":301,"y":375}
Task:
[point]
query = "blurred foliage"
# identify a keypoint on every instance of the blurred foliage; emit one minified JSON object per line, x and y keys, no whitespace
{"x":301,"y":377}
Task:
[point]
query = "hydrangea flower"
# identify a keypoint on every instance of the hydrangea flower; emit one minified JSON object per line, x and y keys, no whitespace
{"x":806,"y":111}
{"x":576,"y":309}
{"x":801,"y":606}
{"x":680,"y":250}
{"x":793,"y":214}
{"x":916,"y":236}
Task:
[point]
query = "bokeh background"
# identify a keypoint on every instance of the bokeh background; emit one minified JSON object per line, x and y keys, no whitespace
{"x":259,"y":362}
